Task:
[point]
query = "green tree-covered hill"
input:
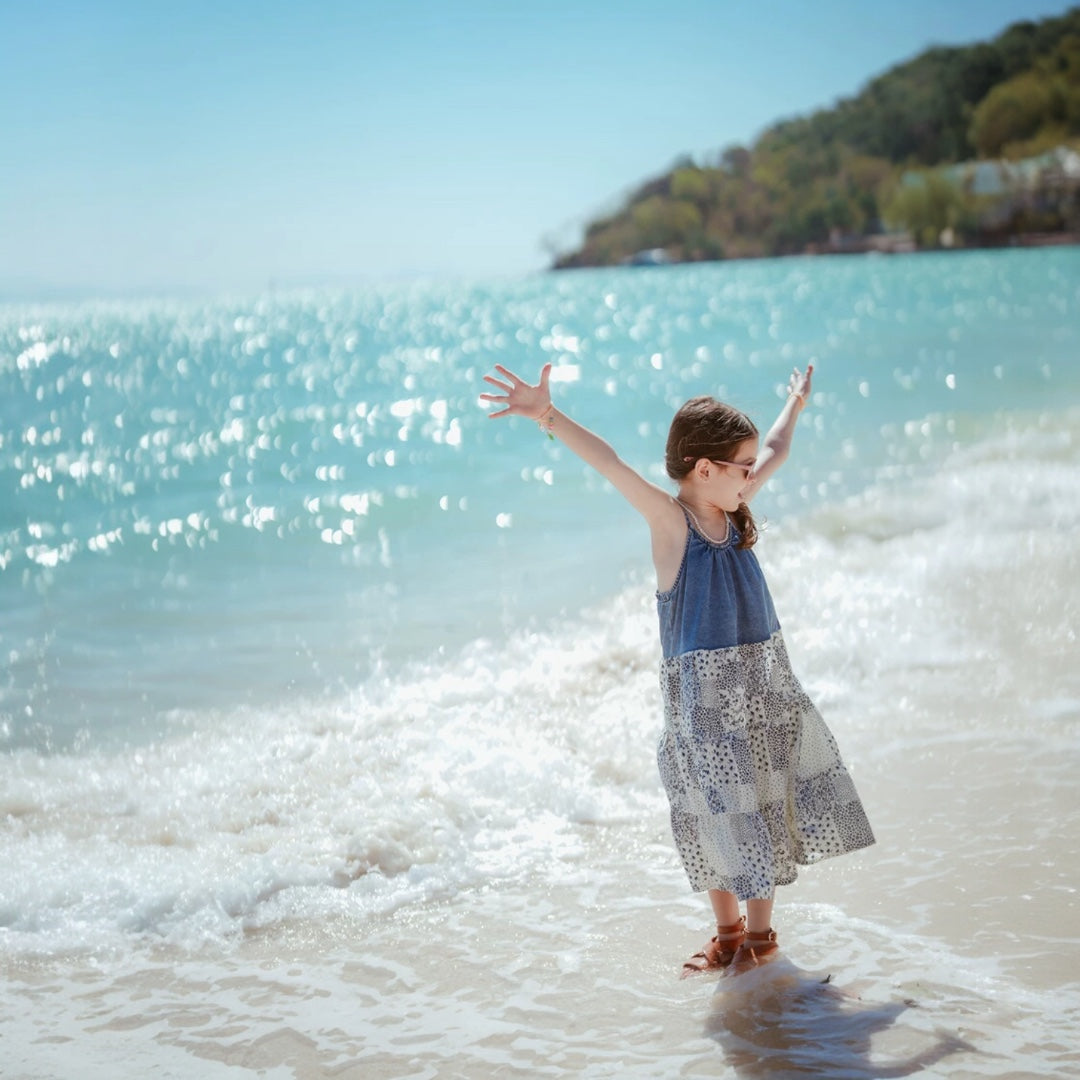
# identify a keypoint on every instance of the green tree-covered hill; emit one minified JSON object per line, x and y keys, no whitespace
{"x":886,"y":159}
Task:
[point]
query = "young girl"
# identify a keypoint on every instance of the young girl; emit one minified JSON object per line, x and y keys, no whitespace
{"x":753,"y":775}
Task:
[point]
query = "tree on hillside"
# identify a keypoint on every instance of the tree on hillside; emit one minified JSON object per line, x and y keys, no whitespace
{"x":929,"y":204}
{"x":1011,"y":112}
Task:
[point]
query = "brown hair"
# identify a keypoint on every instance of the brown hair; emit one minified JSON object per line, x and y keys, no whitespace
{"x":707,"y":428}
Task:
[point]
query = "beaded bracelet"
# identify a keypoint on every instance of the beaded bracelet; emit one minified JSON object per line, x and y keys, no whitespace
{"x":544,"y":424}
{"x":801,"y":397}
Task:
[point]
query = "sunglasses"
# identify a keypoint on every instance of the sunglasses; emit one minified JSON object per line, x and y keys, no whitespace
{"x":747,"y":468}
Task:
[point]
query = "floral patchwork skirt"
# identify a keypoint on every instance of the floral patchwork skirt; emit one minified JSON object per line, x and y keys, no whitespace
{"x":754,"y":777}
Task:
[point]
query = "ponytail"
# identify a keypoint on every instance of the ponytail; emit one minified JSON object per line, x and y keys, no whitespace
{"x":744,"y":522}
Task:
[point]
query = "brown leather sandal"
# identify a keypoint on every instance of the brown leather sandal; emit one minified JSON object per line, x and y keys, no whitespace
{"x":719,"y":951}
{"x":758,"y":947}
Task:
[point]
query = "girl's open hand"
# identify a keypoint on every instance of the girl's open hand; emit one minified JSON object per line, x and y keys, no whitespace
{"x":518,"y":397}
{"x":800,"y":382}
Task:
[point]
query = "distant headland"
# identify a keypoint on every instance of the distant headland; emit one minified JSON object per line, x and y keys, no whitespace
{"x":977,"y":146}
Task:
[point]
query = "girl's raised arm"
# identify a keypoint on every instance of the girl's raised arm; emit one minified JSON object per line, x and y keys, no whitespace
{"x":518,"y":398}
{"x":777,"y":443}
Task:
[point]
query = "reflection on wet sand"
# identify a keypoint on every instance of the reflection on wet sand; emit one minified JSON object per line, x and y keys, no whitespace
{"x":780,"y":1020}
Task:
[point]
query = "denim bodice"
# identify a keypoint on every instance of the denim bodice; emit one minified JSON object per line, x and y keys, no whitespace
{"x":719,"y":599}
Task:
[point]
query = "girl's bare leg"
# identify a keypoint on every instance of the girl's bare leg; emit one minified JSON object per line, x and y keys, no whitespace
{"x":759,"y":915}
{"x":725,"y":907}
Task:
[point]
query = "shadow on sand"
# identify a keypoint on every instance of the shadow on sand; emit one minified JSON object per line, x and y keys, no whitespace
{"x":781,"y":1021}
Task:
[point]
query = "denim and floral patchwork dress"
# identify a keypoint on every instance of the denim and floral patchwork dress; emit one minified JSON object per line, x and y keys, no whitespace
{"x":754,"y":776}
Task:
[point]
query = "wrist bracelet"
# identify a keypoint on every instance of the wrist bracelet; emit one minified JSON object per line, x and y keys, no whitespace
{"x":801,"y":397}
{"x":544,"y":423}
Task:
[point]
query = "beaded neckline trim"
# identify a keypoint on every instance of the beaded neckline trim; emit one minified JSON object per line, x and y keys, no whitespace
{"x":697,"y":524}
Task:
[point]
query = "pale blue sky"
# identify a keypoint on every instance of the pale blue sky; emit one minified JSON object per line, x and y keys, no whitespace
{"x":227,"y":144}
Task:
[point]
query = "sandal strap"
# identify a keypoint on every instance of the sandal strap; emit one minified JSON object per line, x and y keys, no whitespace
{"x":735,"y":930}
{"x":760,"y":937}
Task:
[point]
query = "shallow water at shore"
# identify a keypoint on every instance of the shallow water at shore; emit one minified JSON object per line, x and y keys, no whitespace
{"x":571,"y":979}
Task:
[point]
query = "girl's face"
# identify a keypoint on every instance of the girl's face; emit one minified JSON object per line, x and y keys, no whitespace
{"x":727,"y":479}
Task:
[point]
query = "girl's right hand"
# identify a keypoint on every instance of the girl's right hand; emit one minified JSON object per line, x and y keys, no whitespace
{"x":799,"y":383}
{"x":518,"y":397}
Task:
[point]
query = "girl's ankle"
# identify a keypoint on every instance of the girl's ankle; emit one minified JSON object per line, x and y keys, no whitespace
{"x":735,"y":929}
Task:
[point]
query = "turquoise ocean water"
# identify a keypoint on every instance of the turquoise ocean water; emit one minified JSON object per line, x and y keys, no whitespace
{"x":292,"y":632}
{"x":219,"y":504}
